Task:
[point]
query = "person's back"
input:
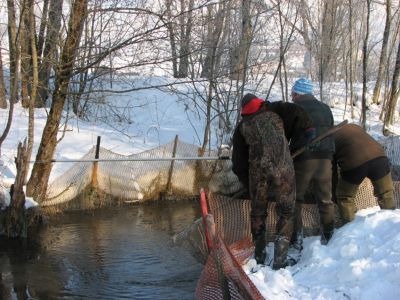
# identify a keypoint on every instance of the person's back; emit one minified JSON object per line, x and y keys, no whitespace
{"x":354,"y":147}
{"x":296,"y":121}
{"x":322,"y":118}
{"x":359,"y":156}
{"x":264,"y":133}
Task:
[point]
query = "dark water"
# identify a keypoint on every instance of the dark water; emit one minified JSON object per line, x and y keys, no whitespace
{"x":123,"y":253}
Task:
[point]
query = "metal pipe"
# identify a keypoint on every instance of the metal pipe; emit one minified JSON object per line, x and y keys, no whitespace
{"x":134,"y":159}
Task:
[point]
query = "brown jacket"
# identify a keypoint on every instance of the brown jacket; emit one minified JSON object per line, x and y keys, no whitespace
{"x":355,"y":147}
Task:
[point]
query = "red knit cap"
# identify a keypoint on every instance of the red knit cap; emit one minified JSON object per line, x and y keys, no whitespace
{"x":252,"y":106}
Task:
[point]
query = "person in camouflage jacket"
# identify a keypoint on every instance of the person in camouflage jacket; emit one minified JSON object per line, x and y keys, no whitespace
{"x":261,"y":160}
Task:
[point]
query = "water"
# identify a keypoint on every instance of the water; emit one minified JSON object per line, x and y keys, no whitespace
{"x":123,"y":253}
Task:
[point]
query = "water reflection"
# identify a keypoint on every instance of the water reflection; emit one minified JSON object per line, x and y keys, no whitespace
{"x":107,"y":254}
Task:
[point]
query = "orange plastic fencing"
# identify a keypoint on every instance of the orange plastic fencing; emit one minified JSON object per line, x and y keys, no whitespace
{"x":223,"y":276}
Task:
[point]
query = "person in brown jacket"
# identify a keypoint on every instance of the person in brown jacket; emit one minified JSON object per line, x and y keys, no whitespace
{"x":359,"y":156}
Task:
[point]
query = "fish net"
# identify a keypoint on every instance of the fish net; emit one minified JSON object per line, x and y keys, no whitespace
{"x":138,"y":177}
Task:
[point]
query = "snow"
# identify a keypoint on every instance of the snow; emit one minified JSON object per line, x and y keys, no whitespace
{"x":362,"y":261}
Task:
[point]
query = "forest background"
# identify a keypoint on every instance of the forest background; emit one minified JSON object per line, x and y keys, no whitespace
{"x":75,"y":58}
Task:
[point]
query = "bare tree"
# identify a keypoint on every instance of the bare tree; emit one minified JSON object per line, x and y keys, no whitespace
{"x":12,"y":38}
{"x":14,"y":58}
{"x":394,"y":95}
{"x":37,"y":184}
{"x":24,"y":44}
{"x":351,"y":55}
{"x":214,"y":39}
{"x":241,"y":51}
{"x":185,"y":24}
{"x":33,"y":78}
{"x":179,"y":28}
{"x":43,"y":26}
{"x":3,"y":102}
{"x":382,"y":59}
{"x":365,"y":64}
{"x":49,"y":51}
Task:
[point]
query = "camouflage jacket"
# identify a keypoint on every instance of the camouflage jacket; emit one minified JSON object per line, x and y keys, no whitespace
{"x":258,"y":137}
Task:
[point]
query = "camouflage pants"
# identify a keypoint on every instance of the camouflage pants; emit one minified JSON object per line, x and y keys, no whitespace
{"x":271,"y":177}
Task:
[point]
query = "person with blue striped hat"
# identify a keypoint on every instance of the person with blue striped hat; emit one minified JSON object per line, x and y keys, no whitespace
{"x":313,"y":168}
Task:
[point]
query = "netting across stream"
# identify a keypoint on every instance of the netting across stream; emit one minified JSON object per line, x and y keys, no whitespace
{"x":142,"y":176}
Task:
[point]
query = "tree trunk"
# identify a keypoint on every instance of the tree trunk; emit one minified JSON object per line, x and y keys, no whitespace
{"x":12,"y":40}
{"x":37,"y":184}
{"x":171,"y":34}
{"x":49,"y":51}
{"x":365,"y":62}
{"x":15,"y":220}
{"x":351,"y":69}
{"x":216,"y":34}
{"x":214,"y":31}
{"x":43,"y":26}
{"x":3,"y":102}
{"x":328,"y":31}
{"x":239,"y":61}
{"x":34,"y":83}
{"x":14,"y":91}
{"x":186,"y":29}
{"x":24,"y":43}
{"x":394,"y":94}
{"x":382,"y":61}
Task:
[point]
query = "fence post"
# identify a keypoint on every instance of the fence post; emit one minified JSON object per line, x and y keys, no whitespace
{"x":95,"y":165}
{"x":171,"y":168}
{"x":204,"y":213}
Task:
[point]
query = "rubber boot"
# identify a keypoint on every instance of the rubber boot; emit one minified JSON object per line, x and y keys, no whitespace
{"x":345,"y":193}
{"x":258,"y":232}
{"x":383,"y":190}
{"x":280,"y":253}
{"x":297,"y":237}
{"x":327,"y":232}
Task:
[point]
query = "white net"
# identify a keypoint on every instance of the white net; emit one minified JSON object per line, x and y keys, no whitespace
{"x":133,"y":178}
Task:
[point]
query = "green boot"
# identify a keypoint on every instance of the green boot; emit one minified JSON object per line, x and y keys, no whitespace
{"x":280,"y":253}
{"x":297,"y":236}
{"x":327,"y":232}
{"x":258,"y":233}
{"x":383,"y":190}
{"x":345,"y":193}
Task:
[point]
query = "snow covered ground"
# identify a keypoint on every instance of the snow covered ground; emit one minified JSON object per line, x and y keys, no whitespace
{"x":362,"y":261}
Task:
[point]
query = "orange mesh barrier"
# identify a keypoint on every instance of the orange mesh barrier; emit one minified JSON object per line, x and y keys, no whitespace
{"x":223,"y":276}
{"x":232,"y":216}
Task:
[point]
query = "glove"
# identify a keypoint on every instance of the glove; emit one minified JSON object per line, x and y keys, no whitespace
{"x":310,"y":134}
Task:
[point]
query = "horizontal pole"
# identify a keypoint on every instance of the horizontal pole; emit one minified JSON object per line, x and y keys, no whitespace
{"x":132,"y":159}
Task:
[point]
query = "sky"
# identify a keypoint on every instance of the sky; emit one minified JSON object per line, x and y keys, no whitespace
{"x":362,"y":261}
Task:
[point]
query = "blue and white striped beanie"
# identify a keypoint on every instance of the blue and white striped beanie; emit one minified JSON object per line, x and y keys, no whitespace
{"x":303,"y":86}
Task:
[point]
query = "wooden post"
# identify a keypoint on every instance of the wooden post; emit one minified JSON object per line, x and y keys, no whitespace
{"x":204,"y":213}
{"x":95,"y":165}
{"x":171,"y":168}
